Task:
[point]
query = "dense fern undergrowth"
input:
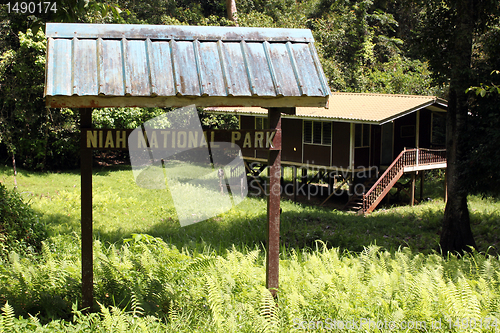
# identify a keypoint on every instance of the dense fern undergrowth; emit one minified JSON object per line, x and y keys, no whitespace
{"x":153,"y":276}
{"x":146,"y":285}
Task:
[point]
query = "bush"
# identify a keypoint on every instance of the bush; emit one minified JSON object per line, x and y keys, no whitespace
{"x":20,"y":228}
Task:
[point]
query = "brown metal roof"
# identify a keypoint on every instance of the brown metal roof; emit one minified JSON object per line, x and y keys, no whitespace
{"x":356,"y":107}
{"x":101,"y":65}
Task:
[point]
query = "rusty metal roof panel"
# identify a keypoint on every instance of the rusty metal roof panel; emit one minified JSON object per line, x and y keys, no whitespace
{"x":310,"y":83}
{"x":234,"y":69}
{"x":58,"y":81}
{"x":85,"y":73}
{"x":136,"y":71}
{"x":211,"y":75}
{"x":161,"y":73}
{"x":97,"y":65}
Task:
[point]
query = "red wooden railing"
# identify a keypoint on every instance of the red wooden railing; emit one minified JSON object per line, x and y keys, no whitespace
{"x":407,"y":158}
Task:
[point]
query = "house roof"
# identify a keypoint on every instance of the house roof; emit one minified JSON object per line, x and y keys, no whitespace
{"x":357,"y":107}
{"x":105,"y":65}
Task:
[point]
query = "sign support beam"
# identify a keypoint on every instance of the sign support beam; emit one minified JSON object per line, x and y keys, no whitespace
{"x":86,"y":216}
{"x":273,"y":204}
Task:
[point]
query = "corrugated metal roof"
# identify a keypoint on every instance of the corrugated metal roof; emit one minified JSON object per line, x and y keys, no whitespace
{"x":356,"y":107}
{"x":98,"y":65}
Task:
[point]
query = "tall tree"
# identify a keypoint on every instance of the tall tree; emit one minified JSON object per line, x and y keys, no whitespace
{"x":456,"y":234}
{"x":448,"y":38}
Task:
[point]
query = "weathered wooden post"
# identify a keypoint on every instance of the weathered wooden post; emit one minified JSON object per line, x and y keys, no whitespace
{"x":294,"y":180}
{"x":86,"y":214}
{"x":273,"y":204}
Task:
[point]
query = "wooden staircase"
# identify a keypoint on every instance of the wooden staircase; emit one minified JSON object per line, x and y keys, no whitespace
{"x":412,"y":158}
{"x":355,"y":202}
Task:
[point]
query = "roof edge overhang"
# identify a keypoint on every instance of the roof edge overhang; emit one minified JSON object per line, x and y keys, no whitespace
{"x":175,"y":32}
{"x":436,"y":102}
{"x":414,"y":109}
{"x":179,"y":101}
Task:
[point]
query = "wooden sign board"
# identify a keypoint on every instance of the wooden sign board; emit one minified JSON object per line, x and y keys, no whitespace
{"x":117,"y":139}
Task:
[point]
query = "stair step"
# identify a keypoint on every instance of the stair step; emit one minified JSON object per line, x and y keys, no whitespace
{"x":356,"y":205}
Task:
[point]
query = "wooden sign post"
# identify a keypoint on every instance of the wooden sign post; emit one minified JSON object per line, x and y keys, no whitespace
{"x":124,"y":65}
{"x":86,"y":212}
{"x":117,"y":139}
{"x":273,"y":206}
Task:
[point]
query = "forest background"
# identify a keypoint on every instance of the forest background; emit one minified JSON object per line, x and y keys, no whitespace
{"x":444,"y":48}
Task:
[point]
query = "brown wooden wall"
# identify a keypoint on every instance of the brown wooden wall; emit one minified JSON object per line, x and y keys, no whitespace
{"x":341,"y":137}
{"x":376,"y":142}
{"x":292,"y":140}
{"x":337,"y":155}
{"x":362,"y":157}
{"x":316,"y":154}
{"x":294,"y":150}
{"x":247,"y":122}
{"x":401,"y":142}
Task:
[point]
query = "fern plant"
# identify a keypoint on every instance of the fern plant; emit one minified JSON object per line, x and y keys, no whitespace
{"x":146,"y":285}
{"x":7,"y":318}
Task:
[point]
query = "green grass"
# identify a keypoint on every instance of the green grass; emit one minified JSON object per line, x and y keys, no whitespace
{"x":152,"y":275}
{"x":121,"y":208}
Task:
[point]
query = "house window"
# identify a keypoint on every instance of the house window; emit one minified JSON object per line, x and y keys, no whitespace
{"x":438,"y":134}
{"x":408,"y":131}
{"x":362,"y":135}
{"x":318,"y":132}
{"x":261,"y":123}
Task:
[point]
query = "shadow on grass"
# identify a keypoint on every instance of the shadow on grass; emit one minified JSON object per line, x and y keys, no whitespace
{"x":347,"y":231}
{"x":107,"y":170}
{"x":8,"y":171}
{"x":417,"y":228}
{"x":58,"y":223}
{"x":299,"y":230}
{"x":302,"y":224}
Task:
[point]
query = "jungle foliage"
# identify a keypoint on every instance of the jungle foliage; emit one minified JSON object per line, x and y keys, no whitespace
{"x":20,"y":227}
{"x":362,"y":46}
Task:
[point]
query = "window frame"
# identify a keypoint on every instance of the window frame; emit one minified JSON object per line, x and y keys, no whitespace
{"x":363,"y":145}
{"x":325,"y":143}
{"x":263,"y":122}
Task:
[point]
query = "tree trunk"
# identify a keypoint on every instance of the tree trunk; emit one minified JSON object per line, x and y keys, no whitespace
{"x":15,"y":169}
{"x":456,"y":234}
{"x":231,"y":11}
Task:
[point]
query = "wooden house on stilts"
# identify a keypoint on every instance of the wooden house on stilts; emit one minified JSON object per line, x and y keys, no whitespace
{"x":366,"y":140}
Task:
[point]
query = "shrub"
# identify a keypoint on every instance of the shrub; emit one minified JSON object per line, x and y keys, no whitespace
{"x":20,"y":228}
